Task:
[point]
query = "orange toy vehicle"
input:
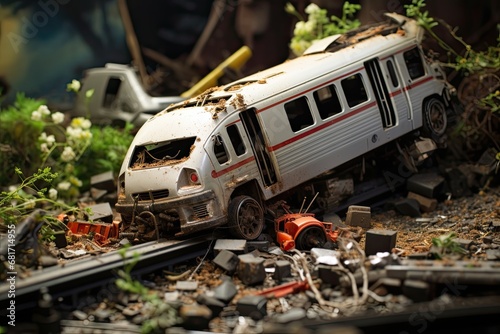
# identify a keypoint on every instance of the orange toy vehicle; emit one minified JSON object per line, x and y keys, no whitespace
{"x":302,"y":231}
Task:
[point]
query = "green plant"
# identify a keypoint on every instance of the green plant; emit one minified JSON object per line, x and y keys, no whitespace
{"x":318,"y":25}
{"x":479,"y":89}
{"x":447,"y":246}
{"x":18,"y":138}
{"x":161,"y":315}
{"x":106,"y":151}
{"x":470,"y":61}
{"x":20,"y":201}
{"x":34,"y":137}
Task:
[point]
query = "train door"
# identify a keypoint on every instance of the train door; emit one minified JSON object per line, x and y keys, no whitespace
{"x":392,"y":103}
{"x":259,"y":147}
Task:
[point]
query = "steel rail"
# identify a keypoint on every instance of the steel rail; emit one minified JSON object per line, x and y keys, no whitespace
{"x":92,"y":272}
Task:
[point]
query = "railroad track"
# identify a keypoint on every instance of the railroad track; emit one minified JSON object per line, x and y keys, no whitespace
{"x":82,"y":275}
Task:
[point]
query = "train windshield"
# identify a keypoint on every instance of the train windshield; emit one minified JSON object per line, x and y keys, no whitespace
{"x":162,"y":153}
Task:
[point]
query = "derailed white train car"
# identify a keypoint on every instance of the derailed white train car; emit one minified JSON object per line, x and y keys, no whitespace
{"x":221,"y":157}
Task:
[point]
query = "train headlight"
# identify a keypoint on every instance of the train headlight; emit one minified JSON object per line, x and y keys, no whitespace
{"x":193,"y":178}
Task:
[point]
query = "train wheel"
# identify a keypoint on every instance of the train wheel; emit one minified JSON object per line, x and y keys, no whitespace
{"x":310,"y":237}
{"x":435,"y":118}
{"x":246,"y":217}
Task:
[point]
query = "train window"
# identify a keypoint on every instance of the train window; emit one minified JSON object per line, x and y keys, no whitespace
{"x":392,"y":73}
{"x":327,"y":101}
{"x":235,"y":137}
{"x":414,"y":63}
{"x":111,"y":92}
{"x":298,"y":113}
{"x":220,"y":149}
{"x":354,"y":90}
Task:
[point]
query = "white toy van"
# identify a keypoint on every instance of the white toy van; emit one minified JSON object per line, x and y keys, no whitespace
{"x":222,"y":157}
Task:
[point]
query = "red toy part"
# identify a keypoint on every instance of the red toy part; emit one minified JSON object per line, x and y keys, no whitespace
{"x":303,"y":231}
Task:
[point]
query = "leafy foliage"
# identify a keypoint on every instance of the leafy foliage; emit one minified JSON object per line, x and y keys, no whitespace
{"x":34,"y":137}
{"x":479,"y":90}
{"x":161,"y":314}
{"x":18,"y":137}
{"x":446,"y":245}
{"x":319,"y":25}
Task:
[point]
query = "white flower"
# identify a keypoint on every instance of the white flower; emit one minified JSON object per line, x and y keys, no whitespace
{"x":74,"y":86}
{"x":57,"y":117}
{"x":36,"y":115}
{"x":53,"y":193}
{"x":73,"y":133}
{"x":44,"y":148}
{"x":86,"y":135}
{"x":68,"y":154}
{"x":310,"y":27}
{"x":312,"y":8}
{"x":49,"y":140}
{"x":81,"y":122}
{"x":65,"y":185}
{"x":44,"y":110}
{"x":12,"y":189}
{"x":299,"y":28}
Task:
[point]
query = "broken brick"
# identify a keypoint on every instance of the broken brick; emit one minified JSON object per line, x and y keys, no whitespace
{"x":327,"y":275}
{"x":408,"y":207}
{"x":195,"y":317}
{"x":103,"y":181}
{"x":282,"y":270}
{"x":237,"y":246}
{"x":254,"y":307}
{"x":214,"y":304}
{"x":358,"y":216}
{"x":227,"y":260}
{"x":225,"y":291}
{"x":251,"y":269}
{"x":426,"y":184}
{"x":380,"y":241}
{"x":102,"y":212}
{"x":426,"y":204}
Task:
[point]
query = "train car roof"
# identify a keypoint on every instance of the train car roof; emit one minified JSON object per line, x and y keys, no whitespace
{"x":327,"y":55}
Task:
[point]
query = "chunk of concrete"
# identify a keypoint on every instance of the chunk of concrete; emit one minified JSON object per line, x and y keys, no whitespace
{"x":237,"y":246}
{"x":282,"y":270}
{"x":103,"y":181}
{"x":293,"y":314}
{"x":225,"y":291}
{"x":408,"y":207}
{"x":254,"y":307}
{"x":426,"y":204}
{"x":251,"y":269}
{"x":380,"y":241}
{"x":358,"y":216}
{"x":186,"y":285}
{"x":327,"y":275}
{"x":227,"y":260}
{"x":195,"y":316}
{"x":97,"y":194}
{"x":426,"y":184}
{"x":102,"y":212}
{"x":261,"y":245}
{"x":214,"y":304}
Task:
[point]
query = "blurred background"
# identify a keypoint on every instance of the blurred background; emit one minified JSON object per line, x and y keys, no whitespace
{"x":44,"y":44}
